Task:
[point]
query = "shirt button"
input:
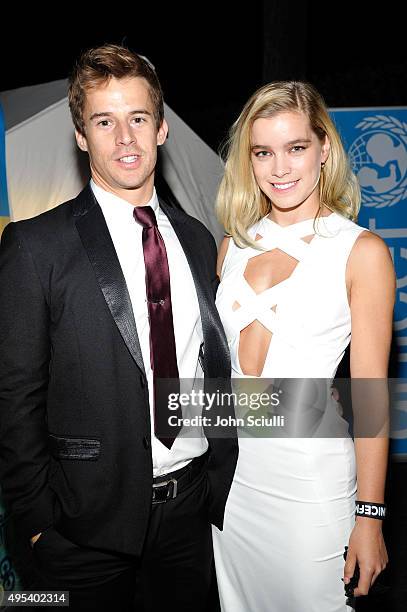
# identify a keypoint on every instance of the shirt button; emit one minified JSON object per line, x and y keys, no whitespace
{"x":146,"y":443}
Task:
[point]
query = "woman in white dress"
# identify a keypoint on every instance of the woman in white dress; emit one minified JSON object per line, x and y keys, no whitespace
{"x":298,"y":278}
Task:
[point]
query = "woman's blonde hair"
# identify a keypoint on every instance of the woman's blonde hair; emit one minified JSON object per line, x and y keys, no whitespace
{"x":240,"y":202}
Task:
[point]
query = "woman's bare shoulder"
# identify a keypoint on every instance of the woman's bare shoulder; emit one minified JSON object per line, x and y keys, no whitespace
{"x":222,"y":254}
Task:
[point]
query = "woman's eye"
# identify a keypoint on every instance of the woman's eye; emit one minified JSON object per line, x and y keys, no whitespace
{"x":298,"y":148}
{"x":104,"y":122}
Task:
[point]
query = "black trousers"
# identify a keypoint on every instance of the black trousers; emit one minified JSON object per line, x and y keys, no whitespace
{"x":173,"y":572}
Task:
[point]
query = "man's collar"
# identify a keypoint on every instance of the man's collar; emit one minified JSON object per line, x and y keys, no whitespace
{"x":105,"y":196}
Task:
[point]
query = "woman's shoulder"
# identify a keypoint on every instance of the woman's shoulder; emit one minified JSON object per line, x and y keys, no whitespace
{"x":369,"y":247}
{"x":231,"y":255}
{"x":223,"y":249}
{"x":370,"y":260}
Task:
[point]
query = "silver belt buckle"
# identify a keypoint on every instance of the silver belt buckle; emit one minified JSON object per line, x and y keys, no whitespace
{"x":160,"y":485}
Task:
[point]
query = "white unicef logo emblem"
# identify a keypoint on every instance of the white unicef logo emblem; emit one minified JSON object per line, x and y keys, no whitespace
{"x":379,"y":160}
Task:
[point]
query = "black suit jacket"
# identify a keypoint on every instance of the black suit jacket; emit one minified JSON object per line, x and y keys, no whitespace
{"x":75,"y":447}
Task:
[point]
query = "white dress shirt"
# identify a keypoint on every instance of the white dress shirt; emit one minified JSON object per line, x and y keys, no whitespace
{"x":126,"y":235}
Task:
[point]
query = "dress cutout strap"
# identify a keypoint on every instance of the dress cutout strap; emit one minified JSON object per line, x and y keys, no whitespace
{"x":255,"y":308}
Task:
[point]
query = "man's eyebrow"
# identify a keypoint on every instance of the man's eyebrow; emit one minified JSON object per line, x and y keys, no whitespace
{"x":141,"y":111}
{"x":290,"y":143}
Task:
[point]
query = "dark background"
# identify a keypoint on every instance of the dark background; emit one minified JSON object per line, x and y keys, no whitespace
{"x":211,"y":57}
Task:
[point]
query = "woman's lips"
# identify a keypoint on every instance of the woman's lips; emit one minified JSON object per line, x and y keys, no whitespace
{"x":283,"y":187}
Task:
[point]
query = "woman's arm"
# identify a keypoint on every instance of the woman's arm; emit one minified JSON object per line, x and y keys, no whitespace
{"x":371,"y":283}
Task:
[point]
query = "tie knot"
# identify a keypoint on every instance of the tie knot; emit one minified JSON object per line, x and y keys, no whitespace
{"x":145,"y":215}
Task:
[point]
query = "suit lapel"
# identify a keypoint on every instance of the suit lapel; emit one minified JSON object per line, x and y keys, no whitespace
{"x":98,"y":244}
{"x":215,"y":344}
{"x":178,"y":222}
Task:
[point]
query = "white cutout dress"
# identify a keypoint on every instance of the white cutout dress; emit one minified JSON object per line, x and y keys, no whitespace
{"x":291,"y":507}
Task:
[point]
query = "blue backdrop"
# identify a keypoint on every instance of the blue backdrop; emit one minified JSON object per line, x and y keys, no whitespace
{"x":376,"y":141}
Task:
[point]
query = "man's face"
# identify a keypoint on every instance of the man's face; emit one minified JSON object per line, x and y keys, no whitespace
{"x":121,"y":137}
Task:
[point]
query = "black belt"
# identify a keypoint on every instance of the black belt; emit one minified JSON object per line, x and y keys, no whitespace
{"x":168,"y":486}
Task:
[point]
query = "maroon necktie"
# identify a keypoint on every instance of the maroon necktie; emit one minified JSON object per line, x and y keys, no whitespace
{"x":163,"y":354}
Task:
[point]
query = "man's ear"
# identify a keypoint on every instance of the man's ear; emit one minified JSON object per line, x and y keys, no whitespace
{"x":162,"y":133}
{"x":81,"y":141}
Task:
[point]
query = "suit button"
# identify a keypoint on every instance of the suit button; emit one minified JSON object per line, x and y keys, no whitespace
{"x":146,"y":443}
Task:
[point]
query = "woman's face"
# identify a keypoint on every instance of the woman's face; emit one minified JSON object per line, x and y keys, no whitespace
{"x":286,"y":157}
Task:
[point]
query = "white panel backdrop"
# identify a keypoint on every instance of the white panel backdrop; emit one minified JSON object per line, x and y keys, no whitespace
{"x":44,"y":167}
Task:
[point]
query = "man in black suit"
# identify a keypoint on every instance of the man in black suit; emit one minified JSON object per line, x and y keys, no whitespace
{"x":101,"y":297}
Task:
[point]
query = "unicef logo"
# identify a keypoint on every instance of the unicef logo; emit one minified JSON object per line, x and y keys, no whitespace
{"x":379,"y":159}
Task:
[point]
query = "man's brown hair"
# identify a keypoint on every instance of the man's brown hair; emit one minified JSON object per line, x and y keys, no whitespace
{"x":98,"y":65}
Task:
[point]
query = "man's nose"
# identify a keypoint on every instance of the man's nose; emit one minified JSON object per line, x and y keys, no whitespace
{"x":125,"y":135}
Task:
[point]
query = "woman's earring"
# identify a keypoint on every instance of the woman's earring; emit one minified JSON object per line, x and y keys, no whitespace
{"x":322,"y":165}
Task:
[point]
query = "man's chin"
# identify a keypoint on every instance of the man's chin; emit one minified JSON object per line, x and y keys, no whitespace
{"x":131,"y":182}
{"x":131,"y":185}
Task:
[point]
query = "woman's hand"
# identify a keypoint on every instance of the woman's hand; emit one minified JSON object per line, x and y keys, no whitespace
{"x":367,"y":548}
